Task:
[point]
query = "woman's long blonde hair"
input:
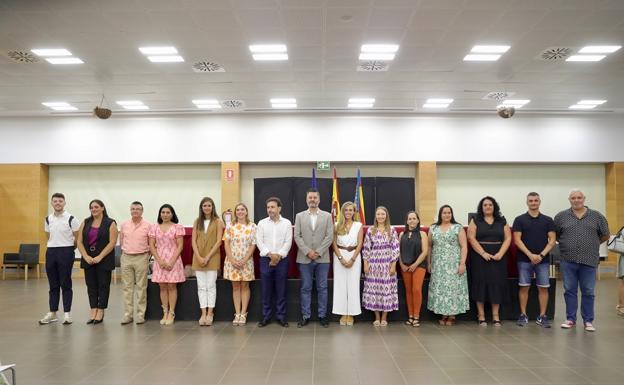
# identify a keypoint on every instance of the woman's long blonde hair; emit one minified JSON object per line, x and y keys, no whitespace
{"x":235,"y":219}
{"x":341,"y":228}
{"x":387,"y":228}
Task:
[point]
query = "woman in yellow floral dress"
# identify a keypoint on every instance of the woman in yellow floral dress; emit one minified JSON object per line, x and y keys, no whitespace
{"x":240,"y":244}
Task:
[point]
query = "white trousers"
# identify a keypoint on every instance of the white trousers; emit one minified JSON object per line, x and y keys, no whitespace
{"x":347,"y":286}
{"x":206,"y":288}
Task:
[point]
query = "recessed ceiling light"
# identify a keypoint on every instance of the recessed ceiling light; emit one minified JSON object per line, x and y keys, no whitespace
{"x":166,"y":59}
{"x":586,"y":57}
{"x":129,"y":103}
{"x":142,"y":107}
{"x":592,"y":102}
{"x":284,"y":103}
{"x":435,"y":105}
{"x":482,"y":57}
{"x":60,"y":106}
{"x":51,"y":52}
{"x":376,"y":56}
{"x":205,"y":101}
{"x":490,"y":49}
{"x":582,"y":106}
{"x":208,"y":106}
{"x":379,"y":48}
{"x":361,"y":102}
{"x":600,"y":48}
{"x":267,"y":48}
{"x":158,"y":50}
{"x":270,"y":56}
{"x":440,"y":101}
{"x":64,"y":60}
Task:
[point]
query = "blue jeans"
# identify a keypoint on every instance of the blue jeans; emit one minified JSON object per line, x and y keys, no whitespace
{"x":575,"y":275}
{"x":310,"y":271}
{"x":526,"y":271}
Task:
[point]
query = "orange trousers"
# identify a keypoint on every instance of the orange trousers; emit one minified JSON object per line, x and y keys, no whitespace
{"x":413,"y":290}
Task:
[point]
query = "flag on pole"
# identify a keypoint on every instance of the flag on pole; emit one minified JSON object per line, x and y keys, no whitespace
{"x":359,"y":199}
{"x":314,"y":185}
{"x":335,"y":208}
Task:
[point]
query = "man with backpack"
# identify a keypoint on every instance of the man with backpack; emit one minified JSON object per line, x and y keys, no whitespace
{"x":62,"y":229}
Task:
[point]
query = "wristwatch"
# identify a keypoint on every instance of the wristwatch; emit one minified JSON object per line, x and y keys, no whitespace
{"x":340,"y":258}
{"x":542,"y":255}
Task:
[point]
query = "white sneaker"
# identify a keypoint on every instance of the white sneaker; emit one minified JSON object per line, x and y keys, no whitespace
{"x":67,"y":319}
{"x":589,"y":327}
{"x":48,"y":318}
{"x":568,"y":324}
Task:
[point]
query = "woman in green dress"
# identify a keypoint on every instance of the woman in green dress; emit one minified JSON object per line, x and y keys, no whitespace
{"x":448,"y":285}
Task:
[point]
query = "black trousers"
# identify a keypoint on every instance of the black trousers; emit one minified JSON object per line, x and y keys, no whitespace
{"x":98,"y":280}
{"x":59,"y":264}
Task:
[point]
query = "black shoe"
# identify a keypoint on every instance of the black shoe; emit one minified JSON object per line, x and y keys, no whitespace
{"x":98,"y":321}
{"x":324,"y":322}
{"x":264,"y":323}
{"x":303,"y":322}
{"x":282,"y":323}
{"x":91,"y":321}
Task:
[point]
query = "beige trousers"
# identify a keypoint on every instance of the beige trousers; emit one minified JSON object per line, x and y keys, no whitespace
{"x":134,"y":277}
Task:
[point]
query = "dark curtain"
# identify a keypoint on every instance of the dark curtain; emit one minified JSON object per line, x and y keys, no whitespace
{"x":264,"y":188}
{"x":397,"y":195}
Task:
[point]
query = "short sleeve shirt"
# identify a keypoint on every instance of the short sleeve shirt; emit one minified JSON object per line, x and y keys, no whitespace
{"x":534,"y":234}
{"x":579,"y":238}
{"x":61,"y":230}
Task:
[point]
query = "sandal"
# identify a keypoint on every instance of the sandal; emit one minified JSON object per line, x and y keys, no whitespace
{"x":497,"y":322}
{"x":450,"y":321}
{"x":410,"y":321}
{"x":350,"y":320}
{"x":170,"y":319}
{"x":416,"y":323}
{"x":620,"y":309}
{"x":242,"y":319}
{"x":165,"y":312}
{"x":383,"y":323}
{"x":343,"y":320}
{"x":202,"y":321}
{"x":376,"y":323}
{"x":236,"y":320}
{"x":483,"y":323}
{"x":443,"y":320}
{"x":209,"y":319}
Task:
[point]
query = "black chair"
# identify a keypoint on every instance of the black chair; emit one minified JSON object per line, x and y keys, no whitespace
{"x":117,"y":262}
{"x":28,"y":256}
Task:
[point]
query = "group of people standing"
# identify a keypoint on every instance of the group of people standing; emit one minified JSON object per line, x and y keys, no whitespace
{"x":379,"y":252}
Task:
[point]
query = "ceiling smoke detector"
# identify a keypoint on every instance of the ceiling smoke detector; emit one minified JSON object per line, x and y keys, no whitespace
{"x":207,"y":66}
{"x":555,"y":54}
{"x":498,"y":95}
{"x":233,"y":104}
{"x":372,"y":66}
{"x":22,"y":57}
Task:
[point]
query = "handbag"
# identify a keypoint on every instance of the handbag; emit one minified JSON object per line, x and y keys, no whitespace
{"x":616,"y":242}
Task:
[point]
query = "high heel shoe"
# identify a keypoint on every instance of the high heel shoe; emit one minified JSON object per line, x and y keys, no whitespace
{"x":165,"y":312}
{"x":349,"y":320}
{"x":91,"y":321}
{"x":170,"y":319}
{"x":242,"y":320}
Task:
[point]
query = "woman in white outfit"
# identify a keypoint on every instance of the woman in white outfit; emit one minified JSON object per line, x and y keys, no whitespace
{"x":348,"y":239}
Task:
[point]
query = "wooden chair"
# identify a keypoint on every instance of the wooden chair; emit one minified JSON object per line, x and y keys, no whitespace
{"x":27,"y":256}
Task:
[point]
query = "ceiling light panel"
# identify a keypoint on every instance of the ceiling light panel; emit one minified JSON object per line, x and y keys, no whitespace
{"x":51,"y":52}
{"x":168,"y":50}
{"x":435,"y":105}
{"x":60,"y":106}
{"x":379,"y":48}
{"x":361,"y":102}
{"x":166,"y":59}
{"x":270,"y":56}
{"x":440,"y":101}
{"x":376,"y":56}
{"x":592,"y":102}
{"x":125,"y":103}
{"x":582,"y":106}
{"x":64,"y":60}
{"x":599,"y":49}
{"x":586,"y":58}
{"x":268,"y":48}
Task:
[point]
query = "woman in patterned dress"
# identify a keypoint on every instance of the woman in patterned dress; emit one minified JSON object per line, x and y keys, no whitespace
{"x":165,"y":240}
{"x":240,"y":244}
{"x":448,"y":284}
{"x":380,"y":254}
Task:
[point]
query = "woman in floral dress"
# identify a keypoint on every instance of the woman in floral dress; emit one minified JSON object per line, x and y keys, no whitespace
{"x":380,"y":254}
{"x":448,"y":285}
{"x":240,"y":244}
{"x":165,"y":240}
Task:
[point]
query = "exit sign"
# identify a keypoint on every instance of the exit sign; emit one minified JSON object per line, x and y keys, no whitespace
{"x":322,"y":166}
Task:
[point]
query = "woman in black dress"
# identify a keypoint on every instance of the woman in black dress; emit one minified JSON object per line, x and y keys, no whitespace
{"x":490,"y":237}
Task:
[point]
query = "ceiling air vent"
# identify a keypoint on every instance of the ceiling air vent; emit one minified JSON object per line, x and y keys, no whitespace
{"x":22,"y":57}
{"x":555,"y":54}
{"x":233,"y":104}
{"x":372,"y":66}
{"x":207,"y":66}
{"x":498,"y":95}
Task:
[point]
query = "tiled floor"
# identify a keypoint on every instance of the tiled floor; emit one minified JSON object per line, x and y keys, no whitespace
{"x":187,"y":354}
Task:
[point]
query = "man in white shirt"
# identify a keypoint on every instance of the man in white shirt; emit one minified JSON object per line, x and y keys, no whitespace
{"x":273,"y":239}
{"x":62,"y":230}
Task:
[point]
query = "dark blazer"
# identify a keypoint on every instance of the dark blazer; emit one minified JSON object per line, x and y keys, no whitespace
{"x":103,"y":237}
